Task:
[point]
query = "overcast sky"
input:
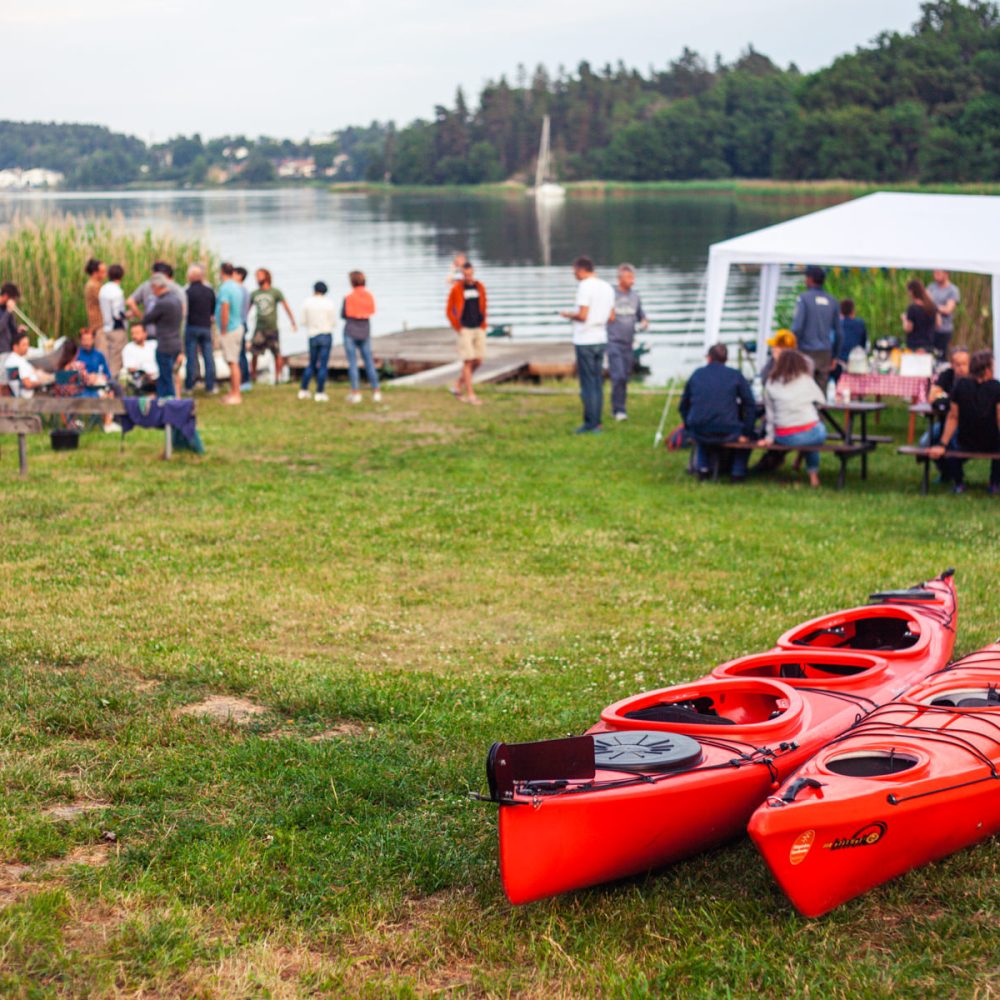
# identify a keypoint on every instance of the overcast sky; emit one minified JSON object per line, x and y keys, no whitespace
{"x":157,"y":68}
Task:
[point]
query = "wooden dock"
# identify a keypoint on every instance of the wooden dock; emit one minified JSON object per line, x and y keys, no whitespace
{"x":428,"y":358}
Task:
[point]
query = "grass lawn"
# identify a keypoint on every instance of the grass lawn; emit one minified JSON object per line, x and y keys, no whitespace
{"x":385,"y":591}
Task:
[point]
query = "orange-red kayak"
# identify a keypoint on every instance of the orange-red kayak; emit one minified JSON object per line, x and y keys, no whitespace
{"x":672,"y":772}
{"x":914,"y":781}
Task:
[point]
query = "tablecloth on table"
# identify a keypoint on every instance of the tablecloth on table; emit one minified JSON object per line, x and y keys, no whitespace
{"x":143,"y":411}
{"x":909,"y":387}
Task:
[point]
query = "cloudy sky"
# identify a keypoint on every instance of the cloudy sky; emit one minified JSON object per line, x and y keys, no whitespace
{"x":157,"y":68}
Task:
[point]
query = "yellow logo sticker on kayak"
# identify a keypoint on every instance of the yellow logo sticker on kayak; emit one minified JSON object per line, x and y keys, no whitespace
{"x":800,"y":847}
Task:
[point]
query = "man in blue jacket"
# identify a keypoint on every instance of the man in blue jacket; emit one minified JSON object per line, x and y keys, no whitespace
{"x":718,"y":406}
{"x":816,"y":321}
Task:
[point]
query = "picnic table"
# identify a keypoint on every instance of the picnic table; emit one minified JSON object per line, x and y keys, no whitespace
{"x":23,"y":416}
{"x":846,"y":431}
{"x":912,"y":387}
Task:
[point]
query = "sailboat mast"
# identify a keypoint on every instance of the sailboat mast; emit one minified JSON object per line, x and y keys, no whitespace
{"x":542,"y":167}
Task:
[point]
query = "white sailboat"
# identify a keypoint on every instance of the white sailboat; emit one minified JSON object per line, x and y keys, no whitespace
{"x":545,"y":189}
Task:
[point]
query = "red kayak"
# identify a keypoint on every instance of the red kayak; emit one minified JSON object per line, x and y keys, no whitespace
{"x":670,"y":773}
{"x":912,"y":782}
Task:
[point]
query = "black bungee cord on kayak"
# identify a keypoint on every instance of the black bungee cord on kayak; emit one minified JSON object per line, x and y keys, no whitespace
{"x":758,"y":755}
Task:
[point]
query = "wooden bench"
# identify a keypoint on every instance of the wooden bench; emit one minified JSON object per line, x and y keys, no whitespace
{"x":923,"y":455}
{"x":844,"y":452}
{"x":21,"y":424}
{"x":27,"y":413}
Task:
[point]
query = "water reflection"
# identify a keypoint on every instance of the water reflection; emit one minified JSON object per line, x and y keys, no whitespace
{"x":404,"y":242}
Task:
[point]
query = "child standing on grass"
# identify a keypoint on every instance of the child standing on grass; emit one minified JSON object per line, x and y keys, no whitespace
{"x":356,"y":312}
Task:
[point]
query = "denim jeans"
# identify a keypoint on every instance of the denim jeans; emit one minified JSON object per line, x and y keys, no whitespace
{"x":590,"y":369}
{"x":165,"y":380}
{"x":954,"y":468}
{"x":815,"y":435}
{"x":620,"y":362}
{"x":244,"y":364}
{"x":319,"y":360}
{"x":198,"y":340}
{"x":351,"y":348}
{"x":706,"y":448}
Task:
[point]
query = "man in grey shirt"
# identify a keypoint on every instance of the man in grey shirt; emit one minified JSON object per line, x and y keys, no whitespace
{"x":621,"y":333}
{"x":143,"y":298}
{"x":166,"y":315}
{"x":817,"y":317}
{"x":946,"y":297}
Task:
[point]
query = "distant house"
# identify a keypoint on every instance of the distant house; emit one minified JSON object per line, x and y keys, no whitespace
{"x":340,"y":161}
{"x":16,"y":179}
{"x":304,"y":169}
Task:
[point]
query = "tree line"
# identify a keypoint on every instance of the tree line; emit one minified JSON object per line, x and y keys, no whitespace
{"x":920,"y":106}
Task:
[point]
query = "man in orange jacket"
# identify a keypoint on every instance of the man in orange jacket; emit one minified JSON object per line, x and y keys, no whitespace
{"x":467,"y":314}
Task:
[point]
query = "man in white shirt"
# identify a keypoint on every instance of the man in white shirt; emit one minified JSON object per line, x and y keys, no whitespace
{"x":595,"y":308}
{"x":319,"y":315}
{"x":112,"y":301}
{"x":139,"y":359}
{"x":22,"y":376}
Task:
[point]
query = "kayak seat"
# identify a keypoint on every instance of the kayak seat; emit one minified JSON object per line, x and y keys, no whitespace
{"x":791,"y":670}
{"x":697,"y":711}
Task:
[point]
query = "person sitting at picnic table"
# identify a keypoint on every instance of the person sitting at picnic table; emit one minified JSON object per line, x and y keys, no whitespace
{"x":97,"y":375}
{"x":920,"y":319}
{"x":717,"y":407}
{"x":23,"y":377}
{"x":139,"y":360}
{"x":973,"y":421}
{"x":791,"y":396}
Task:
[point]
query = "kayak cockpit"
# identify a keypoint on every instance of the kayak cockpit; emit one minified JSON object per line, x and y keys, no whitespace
{"x":751,"y":707}
{"x":890,"y":632}
{"x":823,"y":668}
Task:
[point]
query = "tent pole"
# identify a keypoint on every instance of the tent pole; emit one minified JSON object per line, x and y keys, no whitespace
{"x":715,"y":296}
{"x":995,"y":295}
{"x":769,"y":275}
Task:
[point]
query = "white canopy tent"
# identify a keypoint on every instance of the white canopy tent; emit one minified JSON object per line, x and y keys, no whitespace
{"x":954,"y":232}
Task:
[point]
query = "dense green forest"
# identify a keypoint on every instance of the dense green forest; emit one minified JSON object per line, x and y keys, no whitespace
{"x":924,"y":106}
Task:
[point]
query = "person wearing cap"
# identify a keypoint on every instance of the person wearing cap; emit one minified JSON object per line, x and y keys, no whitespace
{"x":783,"y":340}
{"x":717,"y":407}
{"x":817,"y":316}
{"x":166,"y":317}
{"x":628,"y":314}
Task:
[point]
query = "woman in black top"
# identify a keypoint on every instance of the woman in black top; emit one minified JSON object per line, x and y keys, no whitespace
{"x":920,"y":318}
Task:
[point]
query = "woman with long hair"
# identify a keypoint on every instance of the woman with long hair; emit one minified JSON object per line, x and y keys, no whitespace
{"x":791,"y":396}
{"x":920,"y":318}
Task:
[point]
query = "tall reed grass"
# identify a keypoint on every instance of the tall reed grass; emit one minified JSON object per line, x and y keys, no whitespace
{"x":880,"y":296}
{"x":46,"y":257}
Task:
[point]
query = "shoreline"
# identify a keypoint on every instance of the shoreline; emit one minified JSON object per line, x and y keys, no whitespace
{"x":821,"y":190}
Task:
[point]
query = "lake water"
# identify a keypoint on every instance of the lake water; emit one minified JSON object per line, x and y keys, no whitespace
{"x":405,"y":242}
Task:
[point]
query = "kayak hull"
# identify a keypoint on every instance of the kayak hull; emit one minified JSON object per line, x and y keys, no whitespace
{"x":756,"y":721}
{"x":938,"y":791}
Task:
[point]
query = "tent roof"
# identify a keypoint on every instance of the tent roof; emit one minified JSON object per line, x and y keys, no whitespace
{"x":956,"y":232}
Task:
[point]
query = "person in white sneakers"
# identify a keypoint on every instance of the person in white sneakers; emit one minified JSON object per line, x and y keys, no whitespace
{"x":319,"y":314}
{"x":356,"y":312}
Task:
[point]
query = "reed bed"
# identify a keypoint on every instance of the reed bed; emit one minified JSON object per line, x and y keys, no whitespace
{"x":880,"y":297}
{"x":46,"y":257}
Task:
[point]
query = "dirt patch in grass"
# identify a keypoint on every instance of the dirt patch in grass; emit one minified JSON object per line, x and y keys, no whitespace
{"x":224,"y":708}
{"x":19,"y":880}
{"x":347,"y":728}
{"x":69,"y":811}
